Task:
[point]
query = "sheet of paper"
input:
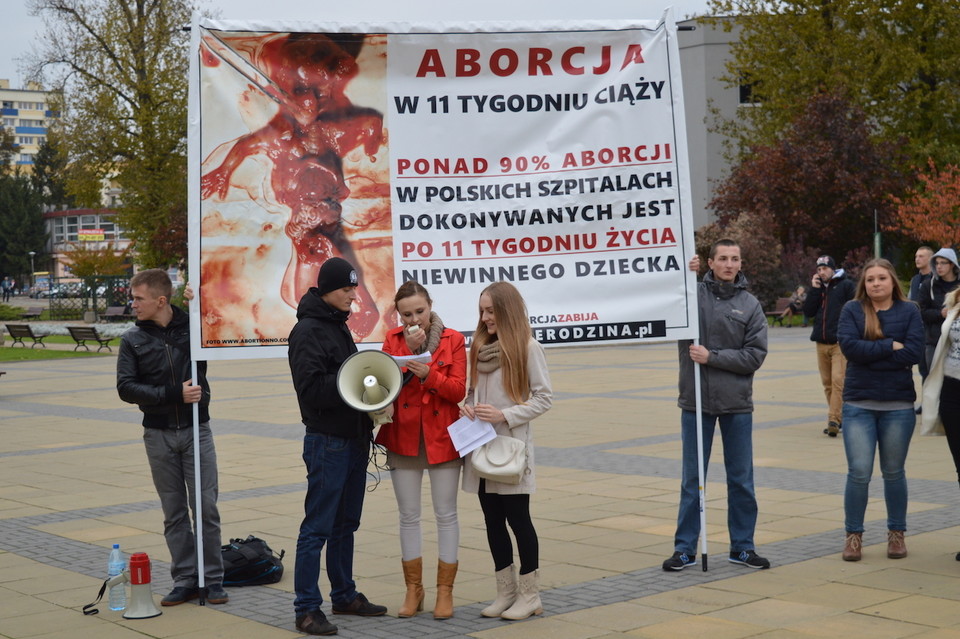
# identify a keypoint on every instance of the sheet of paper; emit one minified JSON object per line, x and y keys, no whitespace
{"x":469,"y":434}
{"x":402,"y":360}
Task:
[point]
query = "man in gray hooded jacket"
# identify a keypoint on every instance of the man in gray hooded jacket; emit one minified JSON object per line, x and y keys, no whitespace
{"x":944,"y":278}
{"x":733,"y":345}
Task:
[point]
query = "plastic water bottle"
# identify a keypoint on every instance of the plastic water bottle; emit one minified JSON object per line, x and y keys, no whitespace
{"x":115,"y":565}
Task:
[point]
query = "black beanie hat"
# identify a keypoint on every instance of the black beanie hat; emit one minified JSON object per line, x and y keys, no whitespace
{"x":334,"y":274}
{"x":826,"y":260}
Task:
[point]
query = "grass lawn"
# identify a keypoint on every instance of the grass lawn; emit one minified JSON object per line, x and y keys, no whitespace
{"x":18,"y":354}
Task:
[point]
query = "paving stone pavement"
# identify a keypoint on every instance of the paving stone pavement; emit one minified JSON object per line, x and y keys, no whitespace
{"x":73,"y":480}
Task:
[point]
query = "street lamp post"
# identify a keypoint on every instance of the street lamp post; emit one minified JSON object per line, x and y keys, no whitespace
{"x":32,"y":270}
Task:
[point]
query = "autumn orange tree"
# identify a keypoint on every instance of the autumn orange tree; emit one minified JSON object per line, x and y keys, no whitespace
{"x":930,"y":212}
{"x":92,"y":265}
{"x":87,"y":262}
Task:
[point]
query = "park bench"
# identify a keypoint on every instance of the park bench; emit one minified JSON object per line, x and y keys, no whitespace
{"x":32,"y":313}
{"x":20,"y":331}
{"x":777,"y":313}
{"x":83,"y":334}
{"x":116,"y":313}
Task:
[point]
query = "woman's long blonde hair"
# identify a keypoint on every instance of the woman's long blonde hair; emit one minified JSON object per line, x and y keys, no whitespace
{"x":513,"y":333}
{"x":871,"y":325}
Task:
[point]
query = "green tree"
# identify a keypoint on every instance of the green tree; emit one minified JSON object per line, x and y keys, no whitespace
{"x":21,"y":226}
{"x":121,"y":69}
{"x":898,"y":61}
{"x":8,"y":148}
{"x":49,"y":175}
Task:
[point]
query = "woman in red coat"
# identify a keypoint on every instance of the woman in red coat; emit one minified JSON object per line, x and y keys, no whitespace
{"x":417,"y":440}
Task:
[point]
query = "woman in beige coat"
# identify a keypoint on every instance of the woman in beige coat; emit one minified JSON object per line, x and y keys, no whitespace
{"x":941,"y":388}
{"x":509,"y":387}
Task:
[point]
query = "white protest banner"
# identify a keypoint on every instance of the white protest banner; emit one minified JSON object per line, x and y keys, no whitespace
{"x":551,"y":155}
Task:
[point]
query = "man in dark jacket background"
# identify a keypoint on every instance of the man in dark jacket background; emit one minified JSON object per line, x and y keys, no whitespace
{"x":153,"y":371}
{"x":733,"y":345}
{"x":336,"y":448}
{"x":922,"y":260}
{"x":829,"y":291}
{"x":944,"y":278}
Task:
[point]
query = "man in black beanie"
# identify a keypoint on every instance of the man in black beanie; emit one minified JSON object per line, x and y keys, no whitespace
{"x":336,"y":447}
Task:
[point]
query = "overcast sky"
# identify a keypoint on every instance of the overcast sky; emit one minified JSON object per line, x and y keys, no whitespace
{"x":18,"y":29}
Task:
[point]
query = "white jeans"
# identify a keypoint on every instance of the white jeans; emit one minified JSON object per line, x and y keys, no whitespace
{"x":444,"y":486}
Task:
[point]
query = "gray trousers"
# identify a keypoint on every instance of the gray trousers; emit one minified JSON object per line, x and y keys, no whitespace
{"x":170,"y":453}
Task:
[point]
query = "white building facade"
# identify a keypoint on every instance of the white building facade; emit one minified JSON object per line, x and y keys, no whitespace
{"x":26,"y":114}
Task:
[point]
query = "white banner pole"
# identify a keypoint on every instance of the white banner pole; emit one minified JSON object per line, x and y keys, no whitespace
{"x":701,"y":475}
{"x":193,"y":242}
{"x":197,"y":493}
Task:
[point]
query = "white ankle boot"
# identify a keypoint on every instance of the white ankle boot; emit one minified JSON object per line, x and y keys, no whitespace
{"x":506,"y":592}
{"x":528,"y":598}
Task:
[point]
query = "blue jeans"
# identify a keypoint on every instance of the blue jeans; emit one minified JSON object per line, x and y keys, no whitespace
{"x":736,"y":430}
{"x":336,"y":484}
{"x":863,"y":431}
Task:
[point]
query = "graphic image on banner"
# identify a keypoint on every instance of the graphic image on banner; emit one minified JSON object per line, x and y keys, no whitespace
{"x":552,"y":156}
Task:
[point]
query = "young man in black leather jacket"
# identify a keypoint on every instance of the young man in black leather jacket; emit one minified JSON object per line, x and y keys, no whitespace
{"x":153,"y":371}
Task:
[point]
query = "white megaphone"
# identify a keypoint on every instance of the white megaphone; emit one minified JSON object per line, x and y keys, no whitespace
{"x":141,"y":604}
{"x":369,"y":381}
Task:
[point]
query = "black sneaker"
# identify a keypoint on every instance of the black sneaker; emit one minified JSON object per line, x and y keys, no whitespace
{"x":217,"y":595}
{"x":748,"y":558}
{"x":179,"y":595}
{"x":679,"y":561}
{"x":361,"y":607}
{"x":315,"y":623}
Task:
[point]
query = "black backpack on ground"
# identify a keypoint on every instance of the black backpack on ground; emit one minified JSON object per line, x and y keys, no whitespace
{"x":250,"y":562}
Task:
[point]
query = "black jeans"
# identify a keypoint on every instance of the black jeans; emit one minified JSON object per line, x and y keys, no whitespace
{"x":500,"y":510}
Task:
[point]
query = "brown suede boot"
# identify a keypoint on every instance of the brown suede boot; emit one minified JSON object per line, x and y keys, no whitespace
{"x":413,"y":576}
{"x":851,"y":549}
{"x":446,"y":573}
{"x":896,"y":546}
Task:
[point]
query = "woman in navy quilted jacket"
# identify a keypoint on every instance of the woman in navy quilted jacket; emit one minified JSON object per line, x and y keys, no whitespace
{"x":881,"y":335}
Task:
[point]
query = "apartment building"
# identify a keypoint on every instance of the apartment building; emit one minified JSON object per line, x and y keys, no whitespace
{"x":26,"y":114}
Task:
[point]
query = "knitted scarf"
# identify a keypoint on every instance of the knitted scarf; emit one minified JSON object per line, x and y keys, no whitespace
{"x":433,"y":339}
{"x":488,"y":359}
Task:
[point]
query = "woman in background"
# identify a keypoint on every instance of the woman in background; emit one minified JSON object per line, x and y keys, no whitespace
{"x":881,"y":335}
{"x":795,"y":307}
{"x":509,"y":387}
{"x":941,"y":389}
{"x":418,"y":440}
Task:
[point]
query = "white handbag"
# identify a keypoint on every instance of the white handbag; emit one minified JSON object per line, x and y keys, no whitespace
{"x":502,"y":459}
